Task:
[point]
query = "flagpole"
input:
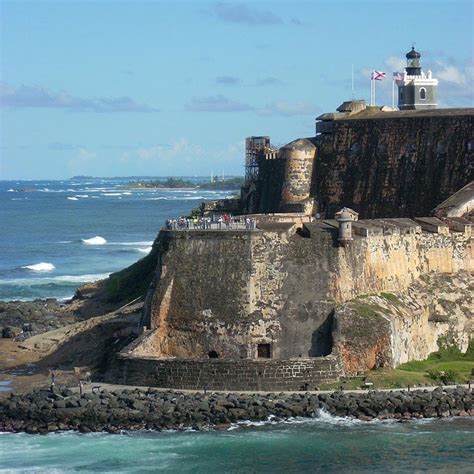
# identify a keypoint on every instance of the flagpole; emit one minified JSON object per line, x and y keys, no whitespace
{"x":352,"y":80}
{"x":393,"y":92}
{"x":371,"y":86}
{"x":374,"y":92}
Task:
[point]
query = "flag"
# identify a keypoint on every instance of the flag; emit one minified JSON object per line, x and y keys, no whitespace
{"x":378,"y":75}
{"x":397,"y":76}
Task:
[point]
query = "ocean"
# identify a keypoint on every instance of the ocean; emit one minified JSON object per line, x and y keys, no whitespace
{"x":55,"y":235}
{"x":318,"y":445}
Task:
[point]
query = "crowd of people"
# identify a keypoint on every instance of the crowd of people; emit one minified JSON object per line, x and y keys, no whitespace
{"x":221,"y":222}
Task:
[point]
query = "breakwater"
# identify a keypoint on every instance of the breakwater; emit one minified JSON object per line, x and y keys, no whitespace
{"x":45,"y":411}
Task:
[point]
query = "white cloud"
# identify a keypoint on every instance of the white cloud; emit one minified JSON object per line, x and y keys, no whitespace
{"x":86,"y":155}
{"x":450,"y":73}
{"x":394,"y":64}
{"x":35,"y":96}
{"x":181,"y":149}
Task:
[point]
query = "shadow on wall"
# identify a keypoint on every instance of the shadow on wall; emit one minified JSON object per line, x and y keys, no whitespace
{"x":321,"y":339}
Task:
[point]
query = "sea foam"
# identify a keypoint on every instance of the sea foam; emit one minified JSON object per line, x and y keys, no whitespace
{"x":146,"y":250}
{"x":72,"y":198}
{"x":97,"y":240}
{"x":40,"y":267}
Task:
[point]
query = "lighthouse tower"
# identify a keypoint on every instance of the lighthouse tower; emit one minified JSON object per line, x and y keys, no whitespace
{"x":416,"y":90}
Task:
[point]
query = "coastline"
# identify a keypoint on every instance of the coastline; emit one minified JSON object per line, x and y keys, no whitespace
{"x":46,"y":411}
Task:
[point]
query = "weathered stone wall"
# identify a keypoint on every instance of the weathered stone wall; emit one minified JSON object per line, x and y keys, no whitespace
{"x":388,"y":329}
{"x":398,"y":166}
{"x":231,"y":374}
{"x":230,"y":291}
{"x":393,"y":262}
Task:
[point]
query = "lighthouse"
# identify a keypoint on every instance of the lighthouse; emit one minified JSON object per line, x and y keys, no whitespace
{"x":416,"y":89}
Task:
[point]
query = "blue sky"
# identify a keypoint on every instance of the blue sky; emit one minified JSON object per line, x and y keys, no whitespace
{"x":173,"y":88}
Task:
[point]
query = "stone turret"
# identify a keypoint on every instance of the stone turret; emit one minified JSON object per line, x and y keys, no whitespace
{"x":299,"y":156}
{"x":345,"y":217}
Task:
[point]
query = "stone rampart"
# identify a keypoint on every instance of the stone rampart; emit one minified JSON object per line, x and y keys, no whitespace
{"x":399,"y":164}
{"x":216,"y":374}
{"x":234,"y":294}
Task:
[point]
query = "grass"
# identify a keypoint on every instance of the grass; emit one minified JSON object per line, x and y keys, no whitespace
{"x":133,"y":281}
{"x":449,"y":359}
{"x":390,"y":297}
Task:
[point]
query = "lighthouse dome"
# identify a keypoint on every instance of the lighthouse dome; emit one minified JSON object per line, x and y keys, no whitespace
{"x":413,"y":54}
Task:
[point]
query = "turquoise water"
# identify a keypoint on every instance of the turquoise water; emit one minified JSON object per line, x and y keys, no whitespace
{"x":322,"y":445}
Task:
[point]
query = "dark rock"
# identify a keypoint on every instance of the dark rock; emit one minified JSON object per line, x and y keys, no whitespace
{"x":10,"y":332}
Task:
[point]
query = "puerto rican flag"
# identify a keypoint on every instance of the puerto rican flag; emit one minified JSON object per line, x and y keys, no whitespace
{"x":378,"y":76}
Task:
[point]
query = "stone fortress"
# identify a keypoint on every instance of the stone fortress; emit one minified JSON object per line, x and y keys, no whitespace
{"x":362,"y":256}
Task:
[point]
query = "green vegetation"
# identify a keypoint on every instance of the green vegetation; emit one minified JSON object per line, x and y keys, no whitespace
{"x":168,"y":183}
{"x":176,"y":183}
{"x":131,"y":282}
{"x":447,"y":365}
{"x":390,"y":297}
{"x":365,"y":309}
{"x":231,"y":183}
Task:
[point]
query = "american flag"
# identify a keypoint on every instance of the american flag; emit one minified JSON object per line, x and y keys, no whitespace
{"x":378,"y":75}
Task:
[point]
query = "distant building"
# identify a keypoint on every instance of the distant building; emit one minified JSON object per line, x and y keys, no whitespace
{"x":416,"y":90}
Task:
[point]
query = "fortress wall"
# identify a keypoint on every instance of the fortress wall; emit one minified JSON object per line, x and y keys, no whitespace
{"x":229,"y":291}
{"x":394,"y":167}
{"x":393,"y":262}
{"x":215,"y":374}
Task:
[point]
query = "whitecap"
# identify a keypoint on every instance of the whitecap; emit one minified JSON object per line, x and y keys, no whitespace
{"x":127,"y":194}
{"x":138,"y":243}
{"x":112,"y":194}
{"x":81,"y":278}
{"x":62,"y":279}
{"x":10,"y":190}
{"x":97,"y":240}
{"x":72,"y":198}
{"x":40,"y":267}
{"x":144,"y":250}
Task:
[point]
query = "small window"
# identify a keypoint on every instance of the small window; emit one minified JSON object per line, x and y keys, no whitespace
{"x":423,"y":93}
{"x":213,"y":355}
{"x":401,"y":94}
{"x":263,"y":351}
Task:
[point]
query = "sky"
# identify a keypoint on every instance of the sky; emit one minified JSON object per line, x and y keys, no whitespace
{"x":172,"y":88}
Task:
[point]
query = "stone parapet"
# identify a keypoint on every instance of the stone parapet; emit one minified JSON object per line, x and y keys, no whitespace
{"x":221,"y":374}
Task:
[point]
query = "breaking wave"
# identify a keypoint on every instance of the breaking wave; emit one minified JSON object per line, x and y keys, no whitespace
{"x":40,"y":267}
{"x":146,"y":250}
{"x":72,"y":198}
{"x":97,"y":240}
{"x":139,"y":243}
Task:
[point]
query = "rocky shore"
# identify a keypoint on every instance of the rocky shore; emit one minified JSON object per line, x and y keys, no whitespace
{"x":47,"y":411}
{"x":28,"y":318}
